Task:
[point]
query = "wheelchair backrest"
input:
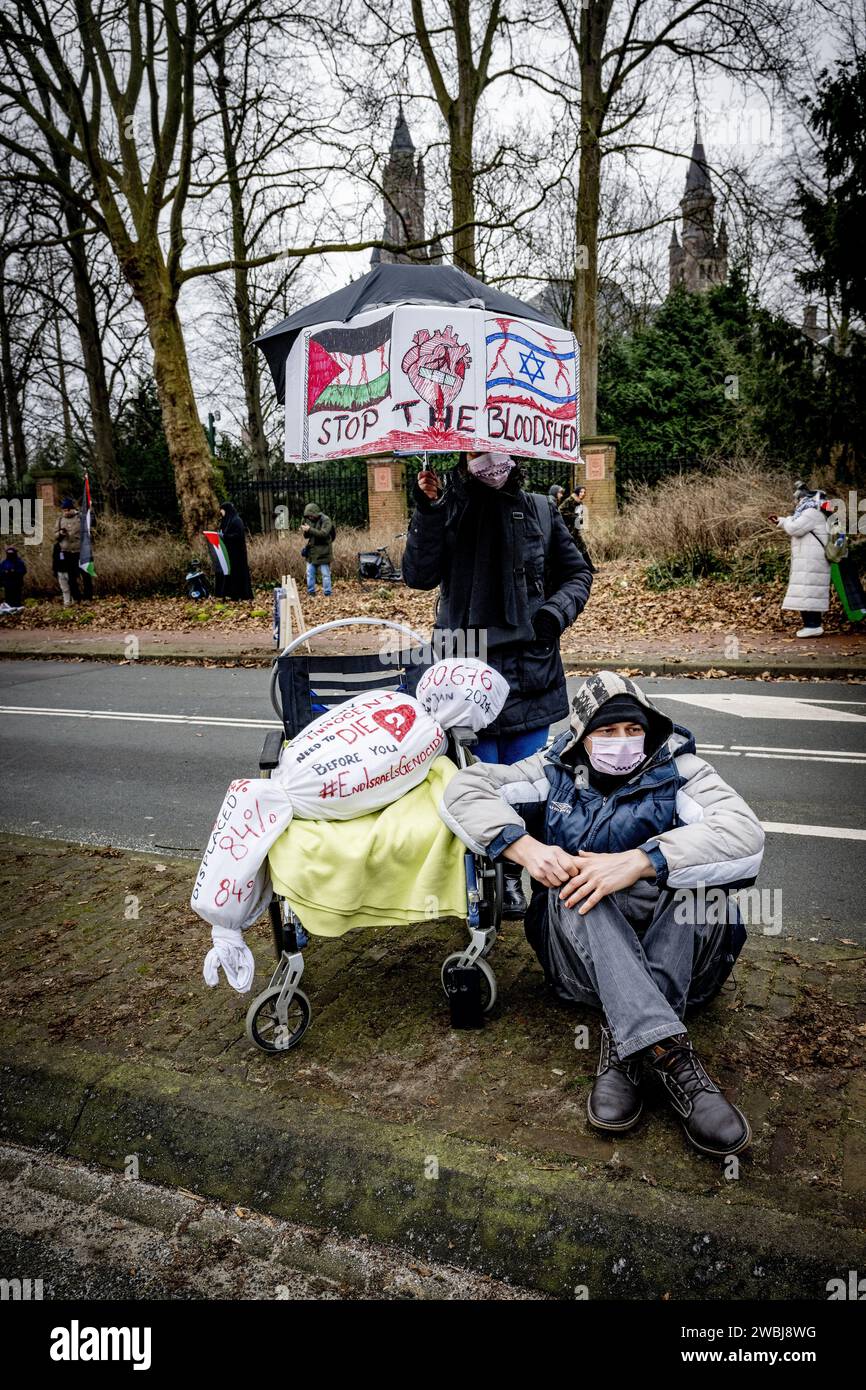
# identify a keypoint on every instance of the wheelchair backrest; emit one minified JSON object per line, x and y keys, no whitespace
{"x":309,"y":683}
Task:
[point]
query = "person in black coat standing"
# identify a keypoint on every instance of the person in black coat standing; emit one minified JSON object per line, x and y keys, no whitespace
{"x":237,"y":583}
{"x":510,"y":577}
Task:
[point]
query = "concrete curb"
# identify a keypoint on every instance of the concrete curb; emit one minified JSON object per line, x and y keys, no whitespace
{"x":553,"y":1228}
{"x":574,"y":665}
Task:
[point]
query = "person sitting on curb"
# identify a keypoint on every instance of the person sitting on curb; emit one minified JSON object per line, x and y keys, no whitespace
{"x":318,"y":532}
{"x":613,"y":822}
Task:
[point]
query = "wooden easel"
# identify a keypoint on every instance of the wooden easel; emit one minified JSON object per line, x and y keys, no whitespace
{"x":291,"y":614}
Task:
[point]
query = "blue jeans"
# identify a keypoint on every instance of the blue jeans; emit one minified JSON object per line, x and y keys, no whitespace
{"x":510,"y":748}
{"x":325,"y":571}
{"x":630,"y":956}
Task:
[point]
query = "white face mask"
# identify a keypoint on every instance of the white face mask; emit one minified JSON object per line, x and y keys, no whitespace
{"x":491,"y":469}
{"x":616,"y":756}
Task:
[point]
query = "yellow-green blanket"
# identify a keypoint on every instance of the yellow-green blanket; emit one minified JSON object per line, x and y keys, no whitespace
{"x":399,"y":865}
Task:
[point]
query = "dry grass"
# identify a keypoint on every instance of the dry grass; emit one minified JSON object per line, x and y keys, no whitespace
{"x":701,"y":523}
{"x":131,"y":558}
{"x":134,"y":559}
{"x":686,"y":526}
{"x":279,"y":553}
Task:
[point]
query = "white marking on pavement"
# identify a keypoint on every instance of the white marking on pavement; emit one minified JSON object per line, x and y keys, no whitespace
{"x":810,"y":752}
{"x":138,"y":717}
{"x":827,"y":832}
{"x":764,"y":707}
{"x":804,"y":758}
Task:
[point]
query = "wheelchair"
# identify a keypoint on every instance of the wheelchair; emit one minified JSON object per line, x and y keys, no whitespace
{"x":303,"y":686}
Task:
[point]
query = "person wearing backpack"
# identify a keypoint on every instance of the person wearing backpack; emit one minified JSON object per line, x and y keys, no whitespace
{"x":319,"y":533}
{"x":809,"y":585}
{"x":510,"y":577}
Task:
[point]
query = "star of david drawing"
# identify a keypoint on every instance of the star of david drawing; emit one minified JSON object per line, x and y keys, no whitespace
{"x":532,"y":365}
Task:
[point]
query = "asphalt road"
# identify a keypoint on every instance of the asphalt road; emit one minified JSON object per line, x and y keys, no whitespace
{"x":151,"y":775}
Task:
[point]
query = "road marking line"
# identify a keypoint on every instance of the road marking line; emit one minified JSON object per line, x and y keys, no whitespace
{"x":211,"y":720}
{"x":828,"y":832}
{"x":802,"y":758}
{"x":805,"y":752}
{"x":764,"y":707}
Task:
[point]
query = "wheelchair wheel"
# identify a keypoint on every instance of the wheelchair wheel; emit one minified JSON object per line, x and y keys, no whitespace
{"x":488,"y":979}
{"x":264,"y":1028}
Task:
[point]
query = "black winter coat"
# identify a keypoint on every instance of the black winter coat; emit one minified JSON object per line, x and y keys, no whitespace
{"x":237,"y":583}
{"x":551,"y":579}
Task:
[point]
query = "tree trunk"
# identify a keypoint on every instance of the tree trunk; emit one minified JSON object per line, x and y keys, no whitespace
{"x":187,"y":446}
{"x":14,"y":419}
{"x":246,"y":333}
{"x":5,"y":442}
{"x":593,"y":25}
{"x":68,"y":440}
{"x":104,"y":456}
{"x":460,"y":131}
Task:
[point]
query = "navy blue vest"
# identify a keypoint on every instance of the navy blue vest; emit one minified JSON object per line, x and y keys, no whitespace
{"x":579,"y":817}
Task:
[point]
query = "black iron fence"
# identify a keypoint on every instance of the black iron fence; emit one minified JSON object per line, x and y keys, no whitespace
{"x":340,"y":489}
{"x":634,"y":471}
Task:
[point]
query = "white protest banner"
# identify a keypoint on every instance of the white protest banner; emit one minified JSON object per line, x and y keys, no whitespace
{"x":360,"y":756}
{"x":414,"y":378}
{"x":463,"y":692}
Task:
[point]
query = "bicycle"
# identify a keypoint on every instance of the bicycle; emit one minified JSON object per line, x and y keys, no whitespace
{"x":377,"y":564}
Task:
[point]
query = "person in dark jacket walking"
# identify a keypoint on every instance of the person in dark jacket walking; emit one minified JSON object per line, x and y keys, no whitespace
{"x":572,"y":509}
{"x":625,"y":830}
{"x":508,"y":575}
{"x":12,"y":572}
{"x":318,"y":551}
{"x":237,"y":584}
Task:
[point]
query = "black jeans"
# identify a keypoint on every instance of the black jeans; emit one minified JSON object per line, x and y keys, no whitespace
{"x":811,"y":619}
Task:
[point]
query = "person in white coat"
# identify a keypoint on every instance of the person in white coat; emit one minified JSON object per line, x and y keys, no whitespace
{"x":809,"y":584}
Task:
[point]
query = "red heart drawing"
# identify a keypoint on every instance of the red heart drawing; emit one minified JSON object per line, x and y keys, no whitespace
{"x":396,"y":721}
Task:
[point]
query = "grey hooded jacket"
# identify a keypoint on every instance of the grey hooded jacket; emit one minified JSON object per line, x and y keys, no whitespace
{"x":692,"y":825}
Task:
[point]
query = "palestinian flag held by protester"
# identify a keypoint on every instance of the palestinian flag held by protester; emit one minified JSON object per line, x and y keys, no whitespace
{"x":85,"y":558}
{"x":349,"y":368}
{"x":219,"y":554}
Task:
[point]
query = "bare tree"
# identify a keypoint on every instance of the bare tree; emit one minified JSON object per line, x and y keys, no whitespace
{"x":627,"y":52}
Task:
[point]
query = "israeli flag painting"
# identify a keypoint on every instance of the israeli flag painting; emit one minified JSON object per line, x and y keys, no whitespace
{"x":532,"y":385}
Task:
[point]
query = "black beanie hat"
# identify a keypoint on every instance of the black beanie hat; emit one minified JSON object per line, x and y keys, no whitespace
{"x":619,"y":709}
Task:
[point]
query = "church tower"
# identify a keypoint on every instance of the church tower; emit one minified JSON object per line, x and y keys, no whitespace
{"x":700,"y":260}
{"x":404,"y":197}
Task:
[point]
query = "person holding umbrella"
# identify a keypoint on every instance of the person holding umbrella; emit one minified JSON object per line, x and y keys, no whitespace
{"x":509,"y":575}
{"x":237,"y":583}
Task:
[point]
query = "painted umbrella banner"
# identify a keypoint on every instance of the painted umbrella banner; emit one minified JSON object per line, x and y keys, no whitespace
{"x":432,"y":377}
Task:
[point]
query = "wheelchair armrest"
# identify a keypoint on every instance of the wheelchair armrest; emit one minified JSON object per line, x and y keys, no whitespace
{"x":271,"y":748}
{"x":463,"y":737}
{"x":460,"y":741}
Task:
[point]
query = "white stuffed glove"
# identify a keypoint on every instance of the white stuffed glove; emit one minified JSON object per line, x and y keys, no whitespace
{"x":230,"y":951}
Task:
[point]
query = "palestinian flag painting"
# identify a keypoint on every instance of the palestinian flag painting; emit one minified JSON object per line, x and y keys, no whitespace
{"x":85,"y":558}
{"x":349,"y":368}
{"x":219,"y":554}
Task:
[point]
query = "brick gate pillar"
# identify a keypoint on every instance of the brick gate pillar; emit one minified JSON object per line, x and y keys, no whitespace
{"x":386,"y":494}
{"x":599,"y":451}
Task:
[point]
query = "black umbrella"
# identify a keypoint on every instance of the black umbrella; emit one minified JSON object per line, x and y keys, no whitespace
{"x":389,"y":284}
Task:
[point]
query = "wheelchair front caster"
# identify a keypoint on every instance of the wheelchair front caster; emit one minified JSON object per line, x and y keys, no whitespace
{"x":264,"y":1027}
{"x":487,"y":982}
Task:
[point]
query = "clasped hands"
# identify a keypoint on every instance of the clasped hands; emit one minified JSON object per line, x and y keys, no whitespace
{"x":583,"y":878}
